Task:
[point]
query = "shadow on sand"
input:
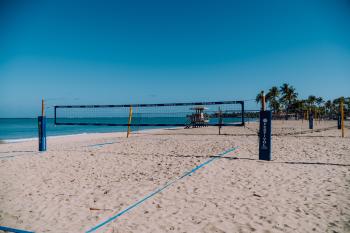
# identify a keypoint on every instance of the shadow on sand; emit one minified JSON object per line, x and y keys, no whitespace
{"x":296,"y":163}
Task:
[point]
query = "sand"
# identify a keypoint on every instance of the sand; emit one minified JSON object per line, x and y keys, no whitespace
{"x":85,"y":179}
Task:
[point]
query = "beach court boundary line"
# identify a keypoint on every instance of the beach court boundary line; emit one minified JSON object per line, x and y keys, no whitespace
{"x":9,"y":229}
{"x":101,"y":144}
{"x":158,"y":190}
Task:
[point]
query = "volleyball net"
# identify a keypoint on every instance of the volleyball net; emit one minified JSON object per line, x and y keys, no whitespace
{"x":198,"y":114}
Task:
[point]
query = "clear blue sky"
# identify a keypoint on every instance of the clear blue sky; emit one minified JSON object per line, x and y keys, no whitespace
{"x":113,"y":52}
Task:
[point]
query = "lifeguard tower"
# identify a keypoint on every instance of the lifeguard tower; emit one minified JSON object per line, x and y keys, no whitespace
{"x":199,"y":118}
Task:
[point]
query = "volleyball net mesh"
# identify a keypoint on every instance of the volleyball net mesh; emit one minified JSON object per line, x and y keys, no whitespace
{"x":225,"y":113}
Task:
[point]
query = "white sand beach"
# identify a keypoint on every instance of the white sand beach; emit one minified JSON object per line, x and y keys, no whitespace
{"x":85,"y":179}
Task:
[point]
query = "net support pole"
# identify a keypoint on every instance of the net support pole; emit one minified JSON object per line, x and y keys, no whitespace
{"x":42,"y":128}
{"x":342,"y":117}
{"x":242,"y":117}
{"x":311,"y":120}
{"x":303,"y":117}
{"x":220,"y":120}
{"x":315,"y":114}
{"x":129,"y":122}
{"x":263,"y":107}
{"x":265,"y":135}
{"x":42,"y":107}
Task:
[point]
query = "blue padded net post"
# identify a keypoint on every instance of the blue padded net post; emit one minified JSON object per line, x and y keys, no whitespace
{"x":265,"y":135}
{"x":42,"y":133}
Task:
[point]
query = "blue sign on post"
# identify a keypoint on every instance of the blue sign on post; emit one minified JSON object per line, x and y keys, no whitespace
{"x":265,"y":135}
{"x":42,"y":133}
{"x":311,"y":121}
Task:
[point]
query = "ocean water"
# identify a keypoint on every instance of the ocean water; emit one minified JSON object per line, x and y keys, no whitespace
{"x":25,"y":128}
{"x":22,"y":128}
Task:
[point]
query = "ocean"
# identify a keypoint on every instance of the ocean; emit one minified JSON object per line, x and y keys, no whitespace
{"x":26,"y":128}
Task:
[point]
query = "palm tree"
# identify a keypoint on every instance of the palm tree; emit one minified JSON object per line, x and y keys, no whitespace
{"x":311,"y":100}
{"x":320,"y":109}
{"x":272,"y":97}
{"x":337,"y":101}
{"x":289,"y":96}
{"x":328,"y":107}
{"x":319,"y":101}
{"x":328,"y":104}
{"x":258,"y":98}
{"x":299,"y":106}
{"x":347,"y":106}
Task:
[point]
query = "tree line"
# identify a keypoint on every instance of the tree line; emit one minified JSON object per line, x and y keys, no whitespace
{"x":284,"y":101}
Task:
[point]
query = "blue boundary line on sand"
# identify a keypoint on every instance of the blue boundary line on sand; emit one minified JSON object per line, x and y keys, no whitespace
{"x":8,"y":229}
{"x":101,"y":144}
{"x":12,"y":156}
{"x":167,"y":184}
